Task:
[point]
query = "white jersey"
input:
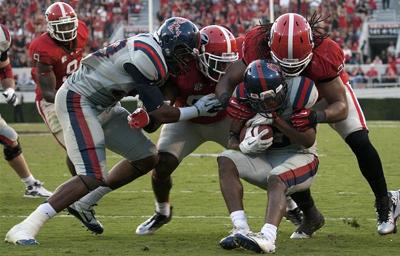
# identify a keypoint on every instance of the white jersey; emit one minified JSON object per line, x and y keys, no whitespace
{"x":102,"y":77}
{"x":301,"y":93}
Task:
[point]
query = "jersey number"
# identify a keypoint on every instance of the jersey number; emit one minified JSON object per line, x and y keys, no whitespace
{"x":71,"y":67}
{"x":111,"y":49}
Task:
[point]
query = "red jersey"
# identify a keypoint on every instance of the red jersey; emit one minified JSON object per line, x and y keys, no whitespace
{"x":45,"y":50}
{"x":192,"y":86}
{"x":327,"y":61}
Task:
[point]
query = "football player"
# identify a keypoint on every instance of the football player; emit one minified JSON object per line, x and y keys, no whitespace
{"x":178,"y":140}
{"x":8,"y":136}
{"x":55,"y":55}
{"x":91,"y":118}
{"x":301,"y":49}
{"x":282,"y":164}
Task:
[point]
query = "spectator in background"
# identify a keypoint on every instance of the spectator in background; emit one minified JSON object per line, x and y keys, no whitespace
{"x":372,"y":74}
{"x":385,"y":4}
{"x":390,"y":75}
{"x":377,"y":60}
{"x":391,"y":50}
{"x":347,"y":53}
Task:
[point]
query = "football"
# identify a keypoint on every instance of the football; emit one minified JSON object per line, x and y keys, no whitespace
{"x":255,"y":130}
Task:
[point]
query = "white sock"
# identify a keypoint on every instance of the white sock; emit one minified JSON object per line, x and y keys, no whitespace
{"x":290,"y":204}
{"x":94,"y":196}
{"x":28,"y":181}
{"x":269,"y":231}
{"x":239,"y":220}
{"x":39,"y":217}
{"x":163,"y":208}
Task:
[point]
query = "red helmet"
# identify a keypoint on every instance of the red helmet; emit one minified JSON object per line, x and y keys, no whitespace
{"x":218,"y":50}
{"x":62,"y":22}
{"x":291,"y":43}
{"x":5,"y":39}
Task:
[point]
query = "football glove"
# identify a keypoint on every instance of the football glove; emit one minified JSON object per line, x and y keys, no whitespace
{"x":208,"y":105}
{"x":304,"y":119}
{"x":259,"y":120}
{"x":11,"y":97}
{"x":138,"y":119}
{"x":239,"y":111}
{"x":254,"y":144}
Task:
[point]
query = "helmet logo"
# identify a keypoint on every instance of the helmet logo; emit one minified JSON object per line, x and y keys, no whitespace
{"x":273,"y":67}
{"x":175,"y":27}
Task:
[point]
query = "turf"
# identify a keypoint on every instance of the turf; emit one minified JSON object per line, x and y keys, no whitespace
{"x":200,"y":217}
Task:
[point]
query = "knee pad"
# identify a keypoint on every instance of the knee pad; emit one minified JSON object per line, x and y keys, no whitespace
{"x":12,"y":152}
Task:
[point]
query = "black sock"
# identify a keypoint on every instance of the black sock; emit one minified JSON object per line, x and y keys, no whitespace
{"x":304,"y":201}
{"x":368,"y":161}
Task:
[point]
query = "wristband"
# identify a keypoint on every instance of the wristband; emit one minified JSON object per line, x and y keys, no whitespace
{"x":188,"y":113}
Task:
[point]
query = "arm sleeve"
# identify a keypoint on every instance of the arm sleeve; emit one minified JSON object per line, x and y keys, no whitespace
{"x":149,"y":94}
{"x":38,"y":55}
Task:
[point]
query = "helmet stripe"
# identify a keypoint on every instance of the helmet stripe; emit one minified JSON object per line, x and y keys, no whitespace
{"x":61,"y":6}
{"x":290,"y":36}
{"x":227,"y":39}
{"x":261,"y":75}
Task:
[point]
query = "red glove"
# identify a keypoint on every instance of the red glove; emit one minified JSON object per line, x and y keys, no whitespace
{"x":239,"y":111}
{"x":304,"y":119}
{"x":138,"y":119}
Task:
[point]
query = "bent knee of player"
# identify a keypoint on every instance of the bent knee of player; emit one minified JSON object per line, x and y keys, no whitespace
{"x":275,"y":183}
{"x":146,"y":164}
{"x":226,"y":168}
{"x":167,"y":163}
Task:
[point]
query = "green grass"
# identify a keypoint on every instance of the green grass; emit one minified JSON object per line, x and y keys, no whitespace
{"x":201,"y":218}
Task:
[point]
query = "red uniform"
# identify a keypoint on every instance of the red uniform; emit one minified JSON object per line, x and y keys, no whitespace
{"x":45,"y":50}
{"x":192,"y":86}
{"x":327,"y":61}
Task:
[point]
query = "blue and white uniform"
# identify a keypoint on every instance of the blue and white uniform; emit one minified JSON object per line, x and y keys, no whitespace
{"x":88,"y":103}
{"x":294,"y":164}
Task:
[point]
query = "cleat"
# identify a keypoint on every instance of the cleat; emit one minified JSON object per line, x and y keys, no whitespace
{"x":86,"y":215}
{"x":387,"y":212}
{"x":228,"y":242}
{"x":295,"y":216}
{"x":37,"y":190}
{"x":19,"y":235}
{"x":152,"y":224}
{"x":308,"y":226}
{"x":255,"y":242}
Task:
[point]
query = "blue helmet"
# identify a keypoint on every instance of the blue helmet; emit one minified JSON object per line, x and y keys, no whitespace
{"x":180,"y":41}
{"x":265,"y":87}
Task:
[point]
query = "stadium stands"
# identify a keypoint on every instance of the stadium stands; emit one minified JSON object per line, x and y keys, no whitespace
{"x":346,"y":22}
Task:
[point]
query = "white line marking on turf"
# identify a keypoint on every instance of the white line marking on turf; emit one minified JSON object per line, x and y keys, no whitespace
{"x":179,"y":217}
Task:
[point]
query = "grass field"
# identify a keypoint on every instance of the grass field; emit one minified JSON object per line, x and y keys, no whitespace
{"x":200,"y":217}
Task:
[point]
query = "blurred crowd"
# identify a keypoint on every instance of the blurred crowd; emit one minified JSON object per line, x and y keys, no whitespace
{"x":25,"y":20}
{"x":344,"y":19}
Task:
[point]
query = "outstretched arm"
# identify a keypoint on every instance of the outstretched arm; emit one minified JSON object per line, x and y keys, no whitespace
{"x":228,"y":82}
